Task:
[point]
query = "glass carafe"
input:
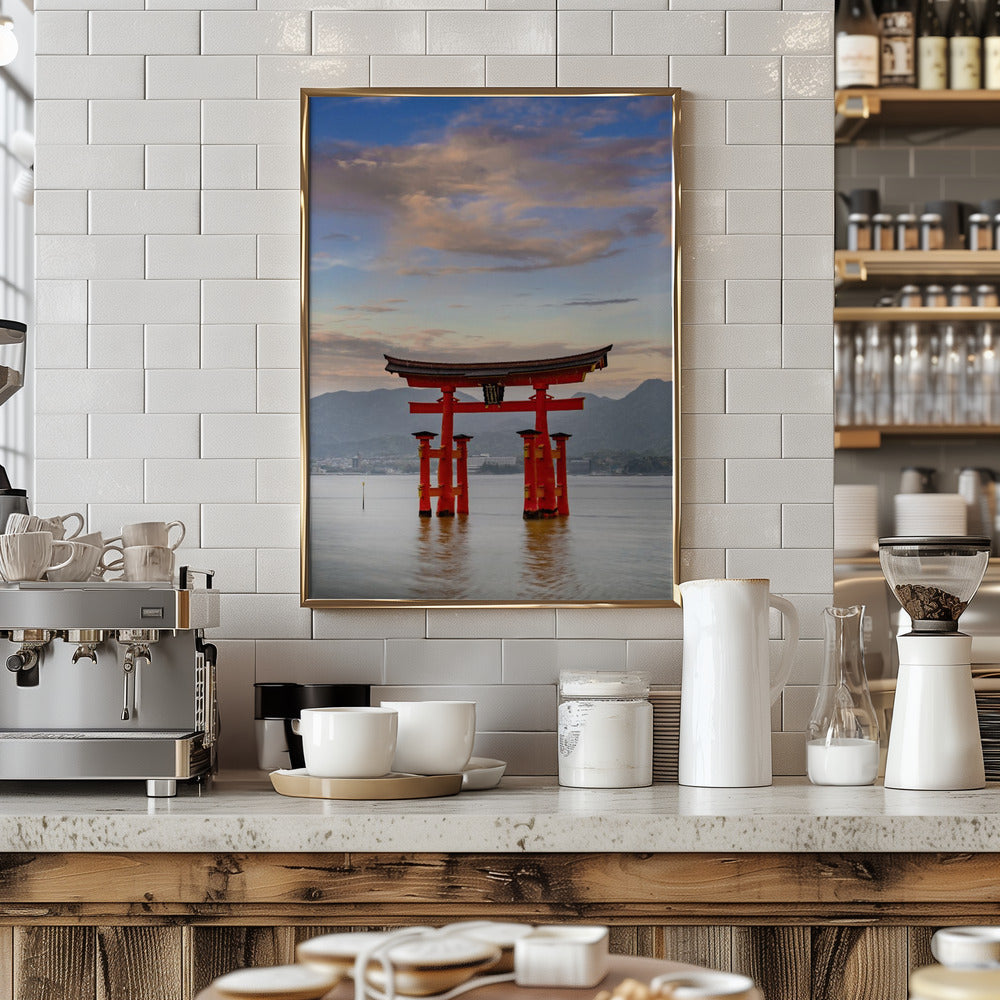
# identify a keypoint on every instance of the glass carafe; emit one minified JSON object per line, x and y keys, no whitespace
{"x":842,"y":738}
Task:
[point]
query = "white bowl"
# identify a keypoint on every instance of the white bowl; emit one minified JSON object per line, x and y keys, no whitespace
{"x":705,"y":985}
{"x":967,"y":947}
{"x":282,"y":982}
{"x":482,"y":772}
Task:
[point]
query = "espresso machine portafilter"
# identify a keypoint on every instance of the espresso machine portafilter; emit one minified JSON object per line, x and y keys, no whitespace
{"x":110,"y":680}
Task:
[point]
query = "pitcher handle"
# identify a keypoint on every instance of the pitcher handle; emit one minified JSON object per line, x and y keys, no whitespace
{"x":791,"y":641}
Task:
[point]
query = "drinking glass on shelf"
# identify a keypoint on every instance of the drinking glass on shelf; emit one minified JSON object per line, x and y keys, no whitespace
{"x":934,"y":377}
{"x":973,"y":379}
{"x":914,"y":386}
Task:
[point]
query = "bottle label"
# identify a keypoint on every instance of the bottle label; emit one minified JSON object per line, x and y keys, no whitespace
{"x":991,"y":62}
{"x":898,"y":63}
{"x":857,"y":61}
{"x":965,"y":59}
{"x":932,"y":63}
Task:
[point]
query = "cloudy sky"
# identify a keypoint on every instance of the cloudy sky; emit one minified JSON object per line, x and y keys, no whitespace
{"x":489,"y":228}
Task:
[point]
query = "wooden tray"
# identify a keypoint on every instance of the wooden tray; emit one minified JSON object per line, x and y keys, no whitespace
{"x":622,"y":967}
{"x":299,"y":784}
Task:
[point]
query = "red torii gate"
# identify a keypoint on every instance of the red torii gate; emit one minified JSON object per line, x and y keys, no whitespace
{"x":543,"y":495}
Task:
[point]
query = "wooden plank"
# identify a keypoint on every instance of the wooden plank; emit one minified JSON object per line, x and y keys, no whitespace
{"x":644,"y":941}
{"x":708,"y":946}
{"x":139,"y":961}
{"x":215,"y":951}
{"x":544,"y":882}
{"x":776,"y":958}
{"x":919,"y":947}
{"x":7,"y":963}
{"x":54,"y":963}
{"x":864,"y":963}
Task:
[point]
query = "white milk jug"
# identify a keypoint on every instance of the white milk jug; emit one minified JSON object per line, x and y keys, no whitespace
{"x":726,"y":688}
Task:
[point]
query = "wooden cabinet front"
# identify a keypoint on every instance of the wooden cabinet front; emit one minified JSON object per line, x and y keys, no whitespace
{"x":161,"y":927}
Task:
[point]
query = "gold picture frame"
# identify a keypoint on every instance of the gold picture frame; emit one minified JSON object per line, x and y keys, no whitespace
{"x":535,"y":220}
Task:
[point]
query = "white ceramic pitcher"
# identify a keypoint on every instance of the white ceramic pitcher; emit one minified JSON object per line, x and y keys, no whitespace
{"x":726,"y":688}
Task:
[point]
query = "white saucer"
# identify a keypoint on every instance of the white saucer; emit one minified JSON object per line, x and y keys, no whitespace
{"x":482,"y":772}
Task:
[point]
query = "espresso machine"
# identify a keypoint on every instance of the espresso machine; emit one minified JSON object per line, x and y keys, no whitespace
{"x":109,"y":681}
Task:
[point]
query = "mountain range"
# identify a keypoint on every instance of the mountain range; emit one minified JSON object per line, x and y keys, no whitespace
{"x":378,"y":422}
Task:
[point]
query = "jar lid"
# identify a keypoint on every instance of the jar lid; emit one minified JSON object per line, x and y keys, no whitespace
{"x":882,"y":217}
{"x":980,"y":218}
{"x":906,"y":217}
{"x":937,"y":982}
{"x":858,"y":217}
{"x":932,"y":217}
{"x":604,"y":684}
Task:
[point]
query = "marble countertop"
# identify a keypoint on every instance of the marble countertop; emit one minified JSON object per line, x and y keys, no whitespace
{"x":244,"y":814}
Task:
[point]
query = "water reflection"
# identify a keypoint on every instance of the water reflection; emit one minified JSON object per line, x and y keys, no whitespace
{"x":443,"y":557}
{"x":547,"y":568}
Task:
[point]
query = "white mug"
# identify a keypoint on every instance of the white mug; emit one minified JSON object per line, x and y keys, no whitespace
{"x":347,"y":742}
{"x":113,"y":565}
{"x":81,"y":565}
{"x":150,"y":533}
{"x":434,"y":737}
{"x":19,"y":523}
{"x":27,"y":555}
{"x":726,"y":688}
{"x":147,"y":562}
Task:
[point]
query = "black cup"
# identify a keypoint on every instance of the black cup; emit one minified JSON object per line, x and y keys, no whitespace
{"x":863,"y":200}
{"x":954,"y":216}
{"x":991,"y":206}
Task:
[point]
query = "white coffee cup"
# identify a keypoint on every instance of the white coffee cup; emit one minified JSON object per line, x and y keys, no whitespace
{"x":18,"y":524}
{"x":150,"y":533}
{"x":347,"y":742}
{"x":27,"y":555}
{"x":57,"y":525}
{"x":81,"y":565}
{"x":434,"y":737}
{"x":148,"y":562}
{"x":112,"y":560}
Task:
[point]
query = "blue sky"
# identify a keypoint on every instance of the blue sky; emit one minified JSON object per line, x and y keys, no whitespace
{"x":489,"y":228}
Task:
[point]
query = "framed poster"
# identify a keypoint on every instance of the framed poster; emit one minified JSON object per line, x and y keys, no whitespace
{"x":490,"y":335}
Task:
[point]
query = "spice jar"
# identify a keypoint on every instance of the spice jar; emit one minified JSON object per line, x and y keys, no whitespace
{"x":980,"y":231}
{"x":605,"y":729}
{"x":986,"y":297}
{"x":931,"y":231}
{"x":883,"y":237}
{"x":934,"y":297}
{"x":907,"y":232}
{"x":859,"y":231}
{"x":910,"y":297}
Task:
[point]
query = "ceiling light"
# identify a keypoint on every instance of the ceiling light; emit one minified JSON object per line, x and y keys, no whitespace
{"x":8,"y":41}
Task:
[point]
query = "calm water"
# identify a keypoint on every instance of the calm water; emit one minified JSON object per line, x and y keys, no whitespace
{"x":614,"y":546}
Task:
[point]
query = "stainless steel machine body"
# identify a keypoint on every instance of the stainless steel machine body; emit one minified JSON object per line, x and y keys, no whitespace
{"x":108,"y":681}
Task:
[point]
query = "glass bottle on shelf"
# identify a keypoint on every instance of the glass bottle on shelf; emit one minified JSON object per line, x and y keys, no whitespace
{"x":991,"y":46}
{"x":932,"y":49}
{"x":899,"y":401}
{"x":843,"y":374}
{"x":878,"y":372}
{"x":964,"y":45}
{"x":933,"y":376}
{"x":897,"y":23}
{"x":842,"y":745}
{"x":857,"y":45}
{"x":951,"y":394}
{"x":915,"y":387}
{"x":989,"y":374}
{"x":864,"y":411}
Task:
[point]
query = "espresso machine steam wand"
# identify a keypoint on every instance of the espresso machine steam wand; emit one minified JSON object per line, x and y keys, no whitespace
{"x":136,"y":642}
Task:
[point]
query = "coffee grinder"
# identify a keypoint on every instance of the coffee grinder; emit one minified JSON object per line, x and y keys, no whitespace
{"x":934,"y":740}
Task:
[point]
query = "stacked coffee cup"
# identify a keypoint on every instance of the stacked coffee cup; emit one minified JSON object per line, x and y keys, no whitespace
{"x":148,"y":550}
{"x":36,"y":548}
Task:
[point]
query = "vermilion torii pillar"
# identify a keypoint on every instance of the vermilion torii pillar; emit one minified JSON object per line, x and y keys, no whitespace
{"x":559,"y":449}
{"x":493,"y":377}
{"x":529,"y":437}
{"x":424,"y":453}
{"x":462,"y":473}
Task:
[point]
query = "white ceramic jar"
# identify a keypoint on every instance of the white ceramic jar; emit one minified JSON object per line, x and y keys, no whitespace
{"x":605,"y":729}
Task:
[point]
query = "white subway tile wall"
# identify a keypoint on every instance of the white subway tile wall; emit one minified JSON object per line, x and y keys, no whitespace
{"x":167,"y":219}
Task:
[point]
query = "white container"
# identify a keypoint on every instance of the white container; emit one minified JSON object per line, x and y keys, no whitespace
{"x":967,"y":947}
{"x":605,"y":730}
{"x":705,"y":985}
{"x":553,"y":957}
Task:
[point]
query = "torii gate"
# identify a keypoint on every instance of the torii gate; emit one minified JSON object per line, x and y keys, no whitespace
{"x":544,"y":485}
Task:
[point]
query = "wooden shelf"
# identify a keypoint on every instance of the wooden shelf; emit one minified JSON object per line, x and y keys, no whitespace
{"x":897,"y":314}
{"x":860,"y":265}
{"x":855,"y":108}
{"x":871,"y":437}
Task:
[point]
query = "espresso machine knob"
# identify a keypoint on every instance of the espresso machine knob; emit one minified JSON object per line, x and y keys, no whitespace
{"x":24,"y":659}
